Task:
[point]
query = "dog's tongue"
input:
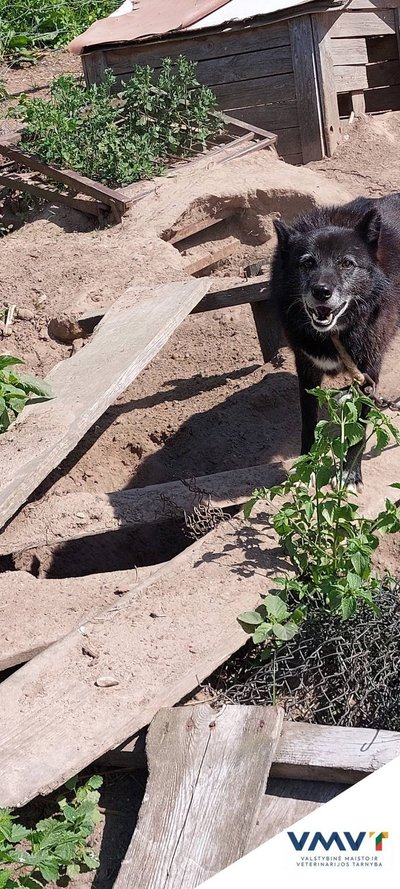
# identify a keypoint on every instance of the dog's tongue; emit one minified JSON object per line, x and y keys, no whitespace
{"x":323,"y":312}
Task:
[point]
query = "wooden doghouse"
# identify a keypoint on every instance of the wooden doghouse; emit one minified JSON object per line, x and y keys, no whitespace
{"x":295,"y":71}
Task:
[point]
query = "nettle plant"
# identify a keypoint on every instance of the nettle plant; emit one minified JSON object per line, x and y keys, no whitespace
{"x":56,"y":847}
{"x":328,"y":543}
{"x":16,"y":390}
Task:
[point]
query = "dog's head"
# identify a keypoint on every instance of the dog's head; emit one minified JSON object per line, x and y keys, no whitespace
{"x":333,"y":266}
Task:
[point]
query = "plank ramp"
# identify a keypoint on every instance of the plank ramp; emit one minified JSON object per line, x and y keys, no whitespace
{"x":61,"y":518}
{"x":132,"y":332}
{"x":285,"y":802}
{"x":159,"y":642}
{"x":55,"y":607}
{"x":208,"y":770}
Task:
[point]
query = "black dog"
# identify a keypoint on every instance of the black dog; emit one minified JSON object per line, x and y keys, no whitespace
{"x":336,"y":270}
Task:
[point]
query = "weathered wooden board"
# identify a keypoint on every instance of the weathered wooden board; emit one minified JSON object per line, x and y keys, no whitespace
{"x":289,"y":142}
{"x":332,"y":753}
{"x":159,"y":642}
{"x":202,"y":48}
{"x":55,"y":607}
{"x":285,"y":802}
{"x":260,"y":91}
{"x":385,"y":98}
{"x":362,"y":77}
{"x":307,"y":92}
{"x":130,"y":335}
{"x":72,"y":516}
{"x":305,"y":752}
{"x":349,"y":51}
{"x":208,"y":771}
{"x":372,"y":4}
{"x":273,"y":117}
{"x":245,"y":66}
{"x":199,"y":259}
{"x":364,"y":24}
{"x":322,"y":29}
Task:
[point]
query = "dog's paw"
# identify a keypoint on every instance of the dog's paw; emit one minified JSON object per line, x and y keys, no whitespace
{"x":352,"y":481}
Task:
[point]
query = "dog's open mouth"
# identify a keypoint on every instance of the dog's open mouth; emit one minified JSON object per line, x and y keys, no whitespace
{"x":321,"y":316}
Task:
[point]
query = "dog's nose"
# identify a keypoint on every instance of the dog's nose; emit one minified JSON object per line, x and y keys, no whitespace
{"x":321,"y":291}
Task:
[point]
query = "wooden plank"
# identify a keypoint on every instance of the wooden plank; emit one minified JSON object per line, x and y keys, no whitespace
{"x":362,"y":77}
{"x":16,"y":183}
{"x":131,"y":334}
{"x":364,"y":24}
{"x":55,"y":607}
{"x":372,"y":4}
{"x":272,"y":117}
{"x":259,"y":91}
{"x":200,"y":259}
{"x":245,"y":66}
{"x":382,"y":49}
{"x":358,"y":103}
{"x":233,"y":122}
{"x":293,"y":159}
{"x":159,"y":642}
{"x":322,"y":29}
{"x":385,"y":98}
{"x":332,"y":753}
{"x":181,"y":232}
{"x":349,"y":51}
{"x":208,"y":771}
{"x":286,"y":802}
{"x":57,"y":519}
{"x":269,"y":329}
{"x":80,"y":184}
{"x":307,"y":92}
{"x":216,"y":45}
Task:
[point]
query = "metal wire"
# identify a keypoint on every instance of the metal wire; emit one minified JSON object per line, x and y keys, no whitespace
{"x":333,"y":673}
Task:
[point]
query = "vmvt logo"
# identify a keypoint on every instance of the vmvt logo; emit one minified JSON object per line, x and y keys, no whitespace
{"x":343,"y":841}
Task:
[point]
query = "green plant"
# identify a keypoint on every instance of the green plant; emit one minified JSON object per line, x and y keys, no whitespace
{"x":56,"y":847}
{"x":16,"y":390}
{"x":28,"y":26}
{"x":328,"y":543}
{"x":121,"y":137}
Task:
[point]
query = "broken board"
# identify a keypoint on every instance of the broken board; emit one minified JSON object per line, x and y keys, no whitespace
{"x":131,"y":333}
{"x":59,"y":519}
{"x":207,"y":774}
{"x":157,"y":644}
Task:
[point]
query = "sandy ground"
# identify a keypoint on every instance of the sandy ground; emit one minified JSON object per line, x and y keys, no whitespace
{"x":207,"y":403}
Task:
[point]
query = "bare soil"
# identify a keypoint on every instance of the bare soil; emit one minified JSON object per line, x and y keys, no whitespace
{"x":207,"y":403}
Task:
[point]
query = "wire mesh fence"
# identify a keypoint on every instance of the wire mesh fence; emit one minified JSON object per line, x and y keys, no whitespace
{"x":333,"y":673}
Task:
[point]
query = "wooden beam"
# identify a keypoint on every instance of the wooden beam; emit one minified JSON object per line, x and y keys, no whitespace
{"x":323,"y":28}
{"x":181,"y":231}
{"x":55,"y":607}
{"x":57,"y":520}
{"x":332,"y":753}
{"x":364,"y":24}
{"x":45,"y":192}
{"x":208,"y":772}
{"x":307,"y":92}
{"x":158,"y":643}
{"x":134,"y":330}
{"x":200,"y":259}
{"x":285,"y":802}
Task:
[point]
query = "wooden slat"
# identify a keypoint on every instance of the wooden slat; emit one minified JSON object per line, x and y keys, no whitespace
{"x":180,"y":232}
{"x":202,"y":48}
{"x":273,"y":117}
{"x":81,"y":184}
{"x":307,"y":92}
{"x":55,"y":607}
{"x":245,"y":66}
{"x":294,"y":159}
{"x":364,"y":24}
{"x":15,"y":182}
{"x":259,"y":91}
{"x":57,"y":519}
{"x":385,"y":98}
{"x":382,"y":49}
{"x":131,"y":334}
{"x":159,"y":642}
{"x":349,"y":51}
{"x":208,"y":771}
{"x":362,"y":77}
{"x":322,"y":28}
{"x":199,"y":259}
{"x":372,"y":4}
{"x":285,"y":802}
{"x":332,"y":753}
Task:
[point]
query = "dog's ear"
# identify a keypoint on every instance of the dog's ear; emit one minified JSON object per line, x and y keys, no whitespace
{"x":369,"y":228}
{"x":284,"y":232}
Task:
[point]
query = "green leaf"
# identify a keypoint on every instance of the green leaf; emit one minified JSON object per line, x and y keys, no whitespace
{"x":348,"y":607}
{"x":276,"y":607}
{"x":73,"y":870}
{"x":285,"y":632}
{"x":354,"y":581}
{"x":49,"y":870}
{"x":94,"y":782}
{"x":261,"y":633}
{"x":250,"y":618}
{"x":249,"y":506}
{"x":8,"y":360}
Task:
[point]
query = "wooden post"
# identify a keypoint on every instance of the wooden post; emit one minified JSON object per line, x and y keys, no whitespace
{"x":358,"y":102}
{"x":306,"y":86}
{"x":321,"y":25}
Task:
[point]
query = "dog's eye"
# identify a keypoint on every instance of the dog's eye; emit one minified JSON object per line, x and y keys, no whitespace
{"x":307,"y":261}
{"x":346,"y":263}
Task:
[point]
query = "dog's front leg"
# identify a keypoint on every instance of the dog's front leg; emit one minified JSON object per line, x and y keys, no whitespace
{"x":309,"y":376}
{"x":353,"y":477}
